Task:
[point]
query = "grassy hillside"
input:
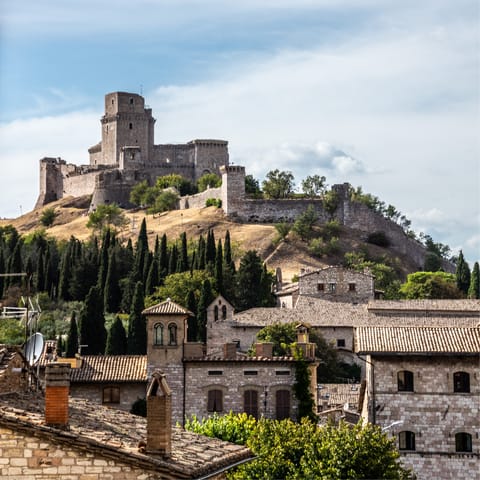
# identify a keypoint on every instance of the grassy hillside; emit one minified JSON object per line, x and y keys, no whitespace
{"x":290,"y":255}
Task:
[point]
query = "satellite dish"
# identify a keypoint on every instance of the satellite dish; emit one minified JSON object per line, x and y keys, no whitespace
{"x":34,"y":348}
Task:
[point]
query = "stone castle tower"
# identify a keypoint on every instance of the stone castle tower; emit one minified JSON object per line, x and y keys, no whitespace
{"x":127,"y":155}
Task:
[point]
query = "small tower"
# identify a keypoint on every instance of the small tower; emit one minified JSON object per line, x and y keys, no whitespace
{"x":233,"y":189}
{"x":166,"y":337}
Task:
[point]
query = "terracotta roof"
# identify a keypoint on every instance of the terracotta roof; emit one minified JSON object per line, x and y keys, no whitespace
{"x":111,"y":368}
{"x":465,"y":305}
{"x":116,"y":434}
{"x":417,"y":340}
{"x":166,"y":308}
{"x":240,"y":358}
{"x":339,"y":394}
{"x":334,"y":267}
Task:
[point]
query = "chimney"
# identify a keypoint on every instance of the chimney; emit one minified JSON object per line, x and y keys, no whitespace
{"x":159,"y":415}
{"x":303,"y":342}
{"x":264,"y":350}
{"x":57,"y":386}
{"x":230,"y":351}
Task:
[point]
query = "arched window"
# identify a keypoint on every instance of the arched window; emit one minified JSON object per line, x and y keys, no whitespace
{"x":250,"y":402}
{"x":406,"y":440}
{"x":158,"y":334}
{"x":224,"y":312}
{"x":282,"y":404}
{"x":461,"y":382}
{"x":172,"y":334}
{"x":463,"y":442}
{"x":215,"y":312}
{"x":215,"y":401}
{"x":405,"y":381}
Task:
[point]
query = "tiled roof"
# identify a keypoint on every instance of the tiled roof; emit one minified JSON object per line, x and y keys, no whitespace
{"x":417,"y":340}
{"x":7,"y":354}
{"x":240,"y":358}
{"x":451,"y":306}
{"x":116,"y":434}
{"x":339,"y":394}
{"x":334,"y":267}
{"x":166,"y":308}
{"x":111,"y":368}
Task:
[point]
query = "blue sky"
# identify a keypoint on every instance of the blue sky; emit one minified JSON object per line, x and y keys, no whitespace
{"x":382,"y":94}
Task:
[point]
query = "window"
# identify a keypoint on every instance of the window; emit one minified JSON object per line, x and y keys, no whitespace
{"x":111,"y":395}
{"x":130,"y":126}
{"x":172,"y":334}
{"x":332,"y":287}
{"x":282,"y":404}
{"x":215,"y":372}
{"x":320,"y":287}
{"x":406,"y":440}
{"x":131,"y":101}
{"x":405,"y":381}
{"x":250,"y":372}
{"x":463,"y":442}
{"x":215,"y":401}
{"x":250,"y":402}
{"x":224,"y":312}
{"x":215,"y":313}
{"x":340,"y":342}
{"x":351,"y":287}
{"x":461,"y":382}
{"x":282,"y":372}
{"x":158,"y":334}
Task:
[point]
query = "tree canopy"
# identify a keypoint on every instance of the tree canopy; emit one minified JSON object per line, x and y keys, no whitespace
{"x":430,"y":285}
{"x":278,"y":184}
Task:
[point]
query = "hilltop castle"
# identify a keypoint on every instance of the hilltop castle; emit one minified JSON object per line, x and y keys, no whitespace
{"x":127,"y":155}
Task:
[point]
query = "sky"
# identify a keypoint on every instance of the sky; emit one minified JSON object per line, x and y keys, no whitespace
{"x":383,"y":94}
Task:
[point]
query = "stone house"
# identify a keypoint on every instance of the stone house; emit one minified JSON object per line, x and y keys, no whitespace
{"x":205,"y":382}
{"x":423,"y":386}
{"x":59,"y":437}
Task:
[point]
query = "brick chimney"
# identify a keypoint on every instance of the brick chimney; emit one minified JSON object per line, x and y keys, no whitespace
{"x":264,"y":350}
{"x":230,"y":351}
{"x":159,"y":415}
{"x":57,"y":386}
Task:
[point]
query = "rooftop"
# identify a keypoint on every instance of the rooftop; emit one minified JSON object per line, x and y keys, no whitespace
{"x":417,"y":340}
{"x":166,"y":308}
{"x":116,"y":435}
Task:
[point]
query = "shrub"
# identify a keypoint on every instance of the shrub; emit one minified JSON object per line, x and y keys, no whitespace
{"x":139,"y":407}
{"x":213,"y":202}
{"x":378,"y":238}
{"x":332,"y":228}
{"x":48,"y":217}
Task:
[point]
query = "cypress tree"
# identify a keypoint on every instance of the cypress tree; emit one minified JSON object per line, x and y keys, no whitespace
{"x":462,"y":274}
{"x":66,"y":272}
{"x":474,"y":289}
{"x":146,"y":266}
{"x":71,"y":347}
{"x":141,"y":251}
{"x":15,"y":264}
{"x":210,"y":248}
{"x":163,"y":260}
{"x":249,"y":285}
{"x":227,"y":252}
{"x":2,"y":270}
{"x":92,"y":323}
{"x":116,"y":339}
{"x":40,"y":273}
{"x":201,"y":254}
{"x":183,"y":256}
{"x":152,"y":277}
{"x":83,"y":277}
{"x":206,"y":298}
{"x":112,"y":294}
{"x":266,"y":284}
{"x":219,"y":268}
{"x":104,"y":258}
{"x":137,"y":329}
{"x":172,"y":261}
{"x":191,"y":304}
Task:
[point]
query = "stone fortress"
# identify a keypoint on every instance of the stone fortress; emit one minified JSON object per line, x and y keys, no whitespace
{"x":127,"y":155}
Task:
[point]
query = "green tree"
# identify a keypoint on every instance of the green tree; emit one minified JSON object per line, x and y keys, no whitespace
{"x":301,"y":387}
{"x":104,"y":216}
{"x":474,"y":289}
{"x":181,"y":184}
{"x":314,"y":185}
{"x":71,"y":347}
{"x":462,"y":274}
{"x":303,"y":225}
{"x":138,"y":194}
{"x":116,"y":339}
{"x":191,"y":303}
{"x":219,"y":268}
{"x":164,"y":202}
{"x":430,"y":285}
{"x":252,"y":186}
{"x":112,"y":293}
{"x":48,"y":216}
{"x":249,"y":281}
{"x":137,"y":329}
{"x":152,"y":277}
{"x":92,"y":324}
{"x":331,"y":202}
{"x":206,"y":298}
{"x":278,"y":184}
{"x":208,"y":180}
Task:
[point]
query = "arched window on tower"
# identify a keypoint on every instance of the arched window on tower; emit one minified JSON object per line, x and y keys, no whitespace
{"x":158,"y":334}
{"x":172,"y":334}
{"x":224,"y":312}
{"x":215,"y":312}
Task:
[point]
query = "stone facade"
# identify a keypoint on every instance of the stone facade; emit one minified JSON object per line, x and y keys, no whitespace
{"x":429,"y":401}
{"x":126,"y":155}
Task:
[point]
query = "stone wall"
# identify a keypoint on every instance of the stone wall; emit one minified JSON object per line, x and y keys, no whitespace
{"x":199,"y":200}
{"x":129,"y":393}
{"x":235,"y":378}
{"x":29,"y":457}
{"x":433,"y":411}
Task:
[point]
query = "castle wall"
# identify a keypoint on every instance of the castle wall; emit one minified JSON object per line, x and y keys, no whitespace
{"x":199,"y":199}
{"x":79,"y":184}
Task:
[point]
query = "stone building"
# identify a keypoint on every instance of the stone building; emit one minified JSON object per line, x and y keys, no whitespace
{"x":56,"y":436}
{"x":126,"y":155}
{"x":226,"y":380}
{"x":423,"y":386}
